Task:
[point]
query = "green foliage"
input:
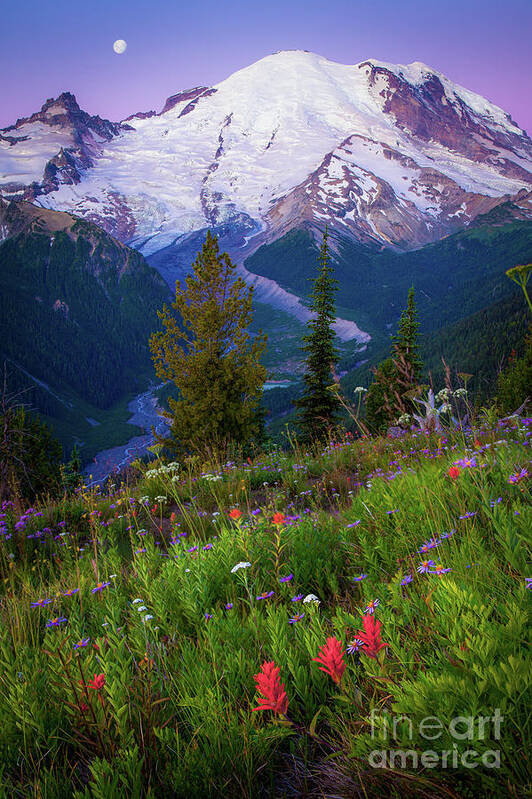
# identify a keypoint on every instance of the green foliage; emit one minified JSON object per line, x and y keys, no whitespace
{"x":454,"y":277}
{"x":210,"y":357}
{"x":178,"y":633}
{"x":76,"y":311}
{"x":514,"y":385}
{"x":319,"y":406}
{"x":30,"y":457}
{"x":379,"y":412}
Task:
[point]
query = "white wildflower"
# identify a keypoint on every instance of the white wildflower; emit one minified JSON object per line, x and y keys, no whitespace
{"x":311,"y":598}
{"x":242,"y":565}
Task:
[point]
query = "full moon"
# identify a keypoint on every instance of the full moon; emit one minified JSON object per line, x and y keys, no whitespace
{"x":120,"y":46}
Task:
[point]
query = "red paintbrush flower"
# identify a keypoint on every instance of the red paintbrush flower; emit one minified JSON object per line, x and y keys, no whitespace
{"x":98,"y":682}
{"x":371,"y":637}
{"x":235,"y":514}
{"x":331,"y":656}
{"x":453,"y":472}
{"x":272,"y":689}
{"x":279,"y":518}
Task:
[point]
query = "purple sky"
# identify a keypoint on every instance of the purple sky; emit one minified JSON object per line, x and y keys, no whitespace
{"x":55,"y":46}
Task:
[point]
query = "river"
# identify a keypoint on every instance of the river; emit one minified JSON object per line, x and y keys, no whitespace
{"x":145,"y":413}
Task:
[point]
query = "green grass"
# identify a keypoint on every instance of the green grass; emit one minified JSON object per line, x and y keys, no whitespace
{"x":175,"y":715}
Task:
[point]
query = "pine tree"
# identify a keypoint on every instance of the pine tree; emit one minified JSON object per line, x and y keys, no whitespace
{"x":396,"y":378}
{"x":208,"y":353}
{"x":319,"y":406}
{"x":405,"y":343}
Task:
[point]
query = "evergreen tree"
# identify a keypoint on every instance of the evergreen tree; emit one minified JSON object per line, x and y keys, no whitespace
{"x":208,"y":353}
{"x":319,"y":406}
{"x":405,"y":343}
{"x":396,"y":379}
{"x":30,"y":457}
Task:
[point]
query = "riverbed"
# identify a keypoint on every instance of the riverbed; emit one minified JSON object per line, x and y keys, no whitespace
{"x":145,"y":413}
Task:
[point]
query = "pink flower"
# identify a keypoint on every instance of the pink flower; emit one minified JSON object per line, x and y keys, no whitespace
{"x":371,"y":637}
{"x":331,"y":656}
{"x":272,"y":690}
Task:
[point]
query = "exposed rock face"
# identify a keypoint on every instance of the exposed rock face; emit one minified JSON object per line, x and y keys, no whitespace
{"x":186,"y":96}
{"x":60,"y":122}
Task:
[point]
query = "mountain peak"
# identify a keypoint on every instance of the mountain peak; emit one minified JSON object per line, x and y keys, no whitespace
{"x":66,"y":101}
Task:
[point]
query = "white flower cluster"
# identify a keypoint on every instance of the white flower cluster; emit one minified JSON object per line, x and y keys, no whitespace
{"x":359,"y":390}
{"x":141,"y":609}
{"x":212,"y":478}
{"x":460,"y":392}
{"x":404,"y":419}
{"x":443,"y":395}
{"x":311,"y":598}
{"x":242,"y":565}
{"x":162,"y":470}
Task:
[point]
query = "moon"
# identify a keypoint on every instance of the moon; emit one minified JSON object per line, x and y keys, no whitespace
{"x":120,"y":46}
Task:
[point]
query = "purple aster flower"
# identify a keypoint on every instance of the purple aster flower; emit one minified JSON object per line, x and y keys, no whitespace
{"x":40,"y":603}
{"x":469,"y":514}
{"x":389,"y":512}
{"x":425,"y":566}
{"x":438,"y":569}
{"x":297,"y":617}
{"x":407,"y":579}
{"x":207,"y":546}
{"x":208,"y":616}
{"x":100,"y":587}
{"x":467,"y":463}
{"x":191,"y":549}
{"x":297,"y":598}
{"x":55,"y":622}
{"x":286,"y":579}
{"x":265,"y":595}
{"x":82,"y":643}
{"x":529,"y":583}
{"x":518,"y":476}
{"x":359,"y":578}
{"x":229,"y":606}
{"x":430,"y":544}
{"x":447,"y":535}
{"x":354,"y":646}
{"x":370,"y":608}
{"x":354,"y":524}
{"x":140,"y":551}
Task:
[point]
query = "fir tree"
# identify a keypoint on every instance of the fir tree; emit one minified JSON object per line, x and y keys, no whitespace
{"x":405,"y":343}
{"x":208,"y":353}
{"x":396,"y":379}
{"x":319,"y":406}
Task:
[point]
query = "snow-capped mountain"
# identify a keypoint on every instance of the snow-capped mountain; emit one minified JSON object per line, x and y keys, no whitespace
{"x":392,"y":155}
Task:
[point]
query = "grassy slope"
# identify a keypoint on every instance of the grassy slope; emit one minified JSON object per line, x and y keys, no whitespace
{"x":175,"y":714}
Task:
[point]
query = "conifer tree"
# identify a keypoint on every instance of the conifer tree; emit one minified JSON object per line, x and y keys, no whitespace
{"x":319,"y":406}
{"x":396,"y":378}
{"x":405,"y":343}
{"x":207,"y":352}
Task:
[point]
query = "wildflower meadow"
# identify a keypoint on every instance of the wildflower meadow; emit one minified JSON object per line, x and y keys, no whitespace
{"x":350,"y":620}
